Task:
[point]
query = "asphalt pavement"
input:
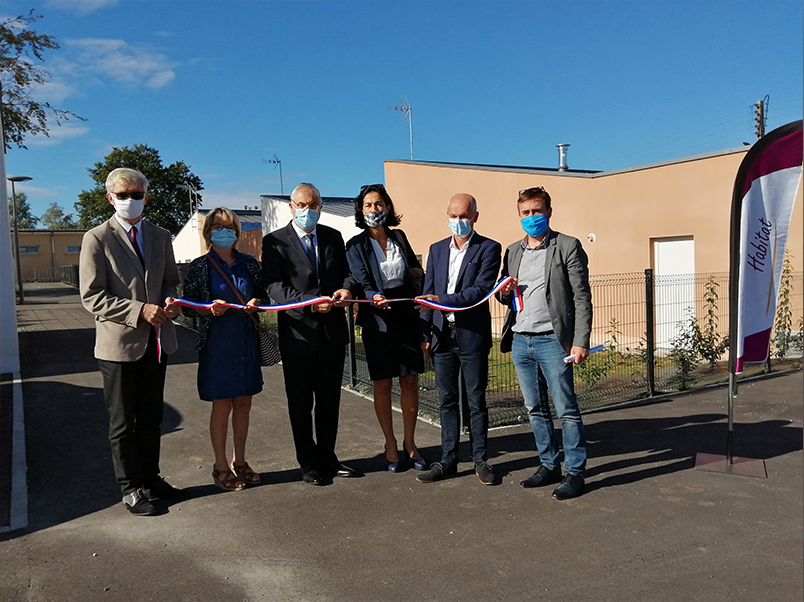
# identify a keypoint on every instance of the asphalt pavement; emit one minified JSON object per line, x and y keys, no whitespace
{"x":650,"y":527}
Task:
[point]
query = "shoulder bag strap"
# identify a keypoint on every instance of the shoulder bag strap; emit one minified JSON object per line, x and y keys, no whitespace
{"x":228,"y":281}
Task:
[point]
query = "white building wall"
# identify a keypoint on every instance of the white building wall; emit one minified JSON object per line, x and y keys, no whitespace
{"x":187,"y":244}
{"x":276,"y":214}
{"x":9,"y":344}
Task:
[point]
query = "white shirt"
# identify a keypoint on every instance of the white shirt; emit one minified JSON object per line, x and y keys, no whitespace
{"x":301,"y":234}
{"x":456,"y":256}
{"x":392,"y":263}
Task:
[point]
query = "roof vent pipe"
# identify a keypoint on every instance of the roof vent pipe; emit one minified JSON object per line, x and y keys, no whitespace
{"x":562,"y":156}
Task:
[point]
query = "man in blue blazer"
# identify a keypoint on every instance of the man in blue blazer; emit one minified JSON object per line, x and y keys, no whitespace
{"x":554,"y":323}
{"x":461,"y":270}
{"x":301,"y":261}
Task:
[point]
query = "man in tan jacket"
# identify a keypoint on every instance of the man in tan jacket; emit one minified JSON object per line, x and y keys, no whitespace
{"x":128,"y":280}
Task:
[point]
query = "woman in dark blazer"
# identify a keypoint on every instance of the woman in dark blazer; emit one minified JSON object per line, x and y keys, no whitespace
{"x":381,"y":260}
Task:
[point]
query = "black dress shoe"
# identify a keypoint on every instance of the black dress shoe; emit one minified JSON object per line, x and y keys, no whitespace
{"x":312,"y":476}
{"x":543,"y":476}
{"x":138,"y":504}
{"x":571,"y":486}
{"x":344,"y":471}
{"x":160,"y":489}
{"x":437,"y":472}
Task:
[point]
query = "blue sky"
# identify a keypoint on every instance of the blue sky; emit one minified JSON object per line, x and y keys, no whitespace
{"x":222,"y":85}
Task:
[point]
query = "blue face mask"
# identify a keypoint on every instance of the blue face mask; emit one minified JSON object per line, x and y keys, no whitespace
{"x":460,"y":227}
{"x":306,"y":219}
{"x":223,"y":239}
{"x":534,"y":225}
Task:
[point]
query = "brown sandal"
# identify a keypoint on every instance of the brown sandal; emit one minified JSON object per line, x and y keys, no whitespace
{"x":226,"y":480}
{"x":245,"y":473}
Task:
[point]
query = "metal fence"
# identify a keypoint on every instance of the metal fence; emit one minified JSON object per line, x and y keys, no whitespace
{"x":661,"y":334}
{"x":69,"y":275}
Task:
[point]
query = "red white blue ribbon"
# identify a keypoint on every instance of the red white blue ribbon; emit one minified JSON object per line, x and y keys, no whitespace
{"x":277,"y":307}
{"x":517,"y":300}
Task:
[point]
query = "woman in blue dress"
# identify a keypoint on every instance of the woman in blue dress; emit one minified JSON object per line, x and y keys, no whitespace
{"x":229,"y":372}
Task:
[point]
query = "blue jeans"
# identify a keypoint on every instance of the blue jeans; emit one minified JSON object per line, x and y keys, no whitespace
{"x":539,"y":363}
{"x":475,"y":370}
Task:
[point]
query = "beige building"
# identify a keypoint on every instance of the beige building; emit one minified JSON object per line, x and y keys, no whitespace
{"x":43,"y":252}
{"x":672,"y":216}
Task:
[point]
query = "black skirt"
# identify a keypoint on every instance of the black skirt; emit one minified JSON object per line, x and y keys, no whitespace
{"x":398,"y":351}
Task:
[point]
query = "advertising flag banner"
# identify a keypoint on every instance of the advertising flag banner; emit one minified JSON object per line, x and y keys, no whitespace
{"x":762,"y":207}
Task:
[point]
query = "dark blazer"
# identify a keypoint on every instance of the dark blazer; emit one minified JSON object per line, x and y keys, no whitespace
{"x":476,"y":278}
{"x":114,"y":287}
{"x":288,"y":278}
{"x":197,"y":288}
{"x":366,"y":271}
{"x":566,"y":276}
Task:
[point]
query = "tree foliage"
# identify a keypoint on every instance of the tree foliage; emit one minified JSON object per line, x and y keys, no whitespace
{"x":21,"y":51}
{"x":54,"y":218}
{"x":168,"y":205}
{"x":26,"y":220}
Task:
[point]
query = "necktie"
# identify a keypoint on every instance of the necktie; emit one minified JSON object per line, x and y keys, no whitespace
{"x":132,"y":234}
{"x":309,"y":247}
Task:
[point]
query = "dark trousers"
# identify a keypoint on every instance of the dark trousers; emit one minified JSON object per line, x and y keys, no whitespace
{"x":313,"y":376}
{"x":134,"y":393}
{"x":450,"y":363}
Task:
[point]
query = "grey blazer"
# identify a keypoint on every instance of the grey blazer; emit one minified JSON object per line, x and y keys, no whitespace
{"x":114,"y":286}
{"x":566,"y":276}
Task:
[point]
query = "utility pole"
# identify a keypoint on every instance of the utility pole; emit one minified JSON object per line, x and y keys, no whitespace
{"x":761,"y":115}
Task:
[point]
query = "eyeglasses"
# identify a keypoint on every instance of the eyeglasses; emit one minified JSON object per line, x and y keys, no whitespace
{"x":311,"y":207}
{"x":219,"y":227}
{"x":535,"y":190}
{"x":123,"y":196}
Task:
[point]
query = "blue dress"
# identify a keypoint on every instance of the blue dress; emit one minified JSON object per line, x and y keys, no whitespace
{"x":229,"y":363}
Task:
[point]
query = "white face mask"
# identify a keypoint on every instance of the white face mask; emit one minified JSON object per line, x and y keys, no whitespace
{"x":129,"y":208}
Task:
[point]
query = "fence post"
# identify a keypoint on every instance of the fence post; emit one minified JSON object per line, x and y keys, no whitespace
{"x":650,"y":341}
{"x":350,"y":318}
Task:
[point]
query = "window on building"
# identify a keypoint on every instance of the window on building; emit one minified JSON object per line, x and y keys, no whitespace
{"x":73,"y":249}
{"x":29,"y":249}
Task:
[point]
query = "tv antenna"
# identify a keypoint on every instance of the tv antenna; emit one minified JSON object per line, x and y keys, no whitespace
{"x":275,"y":161}
{"x":407,"y":111}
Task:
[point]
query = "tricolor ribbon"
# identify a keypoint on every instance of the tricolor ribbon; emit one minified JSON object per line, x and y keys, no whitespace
{"x":517,"y":303}
{"x":315,"y":300}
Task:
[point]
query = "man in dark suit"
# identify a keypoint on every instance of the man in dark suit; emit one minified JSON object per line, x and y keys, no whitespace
{"x":554,"y":324}
{"x":461,"y":270}
{"x":301,"y":261}
{"x":127,"y":271}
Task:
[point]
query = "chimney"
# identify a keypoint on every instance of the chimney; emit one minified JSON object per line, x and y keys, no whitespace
{"x":562,"y":156}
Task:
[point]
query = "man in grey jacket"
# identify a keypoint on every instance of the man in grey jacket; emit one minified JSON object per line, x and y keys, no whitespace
{"x":547,"y":335}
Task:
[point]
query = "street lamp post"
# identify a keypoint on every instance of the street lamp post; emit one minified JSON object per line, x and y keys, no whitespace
{"x":14,"y":179}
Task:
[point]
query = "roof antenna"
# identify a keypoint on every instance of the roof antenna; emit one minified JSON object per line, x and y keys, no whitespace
{"x":275,"y":161}
{"x":407,"y":111}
